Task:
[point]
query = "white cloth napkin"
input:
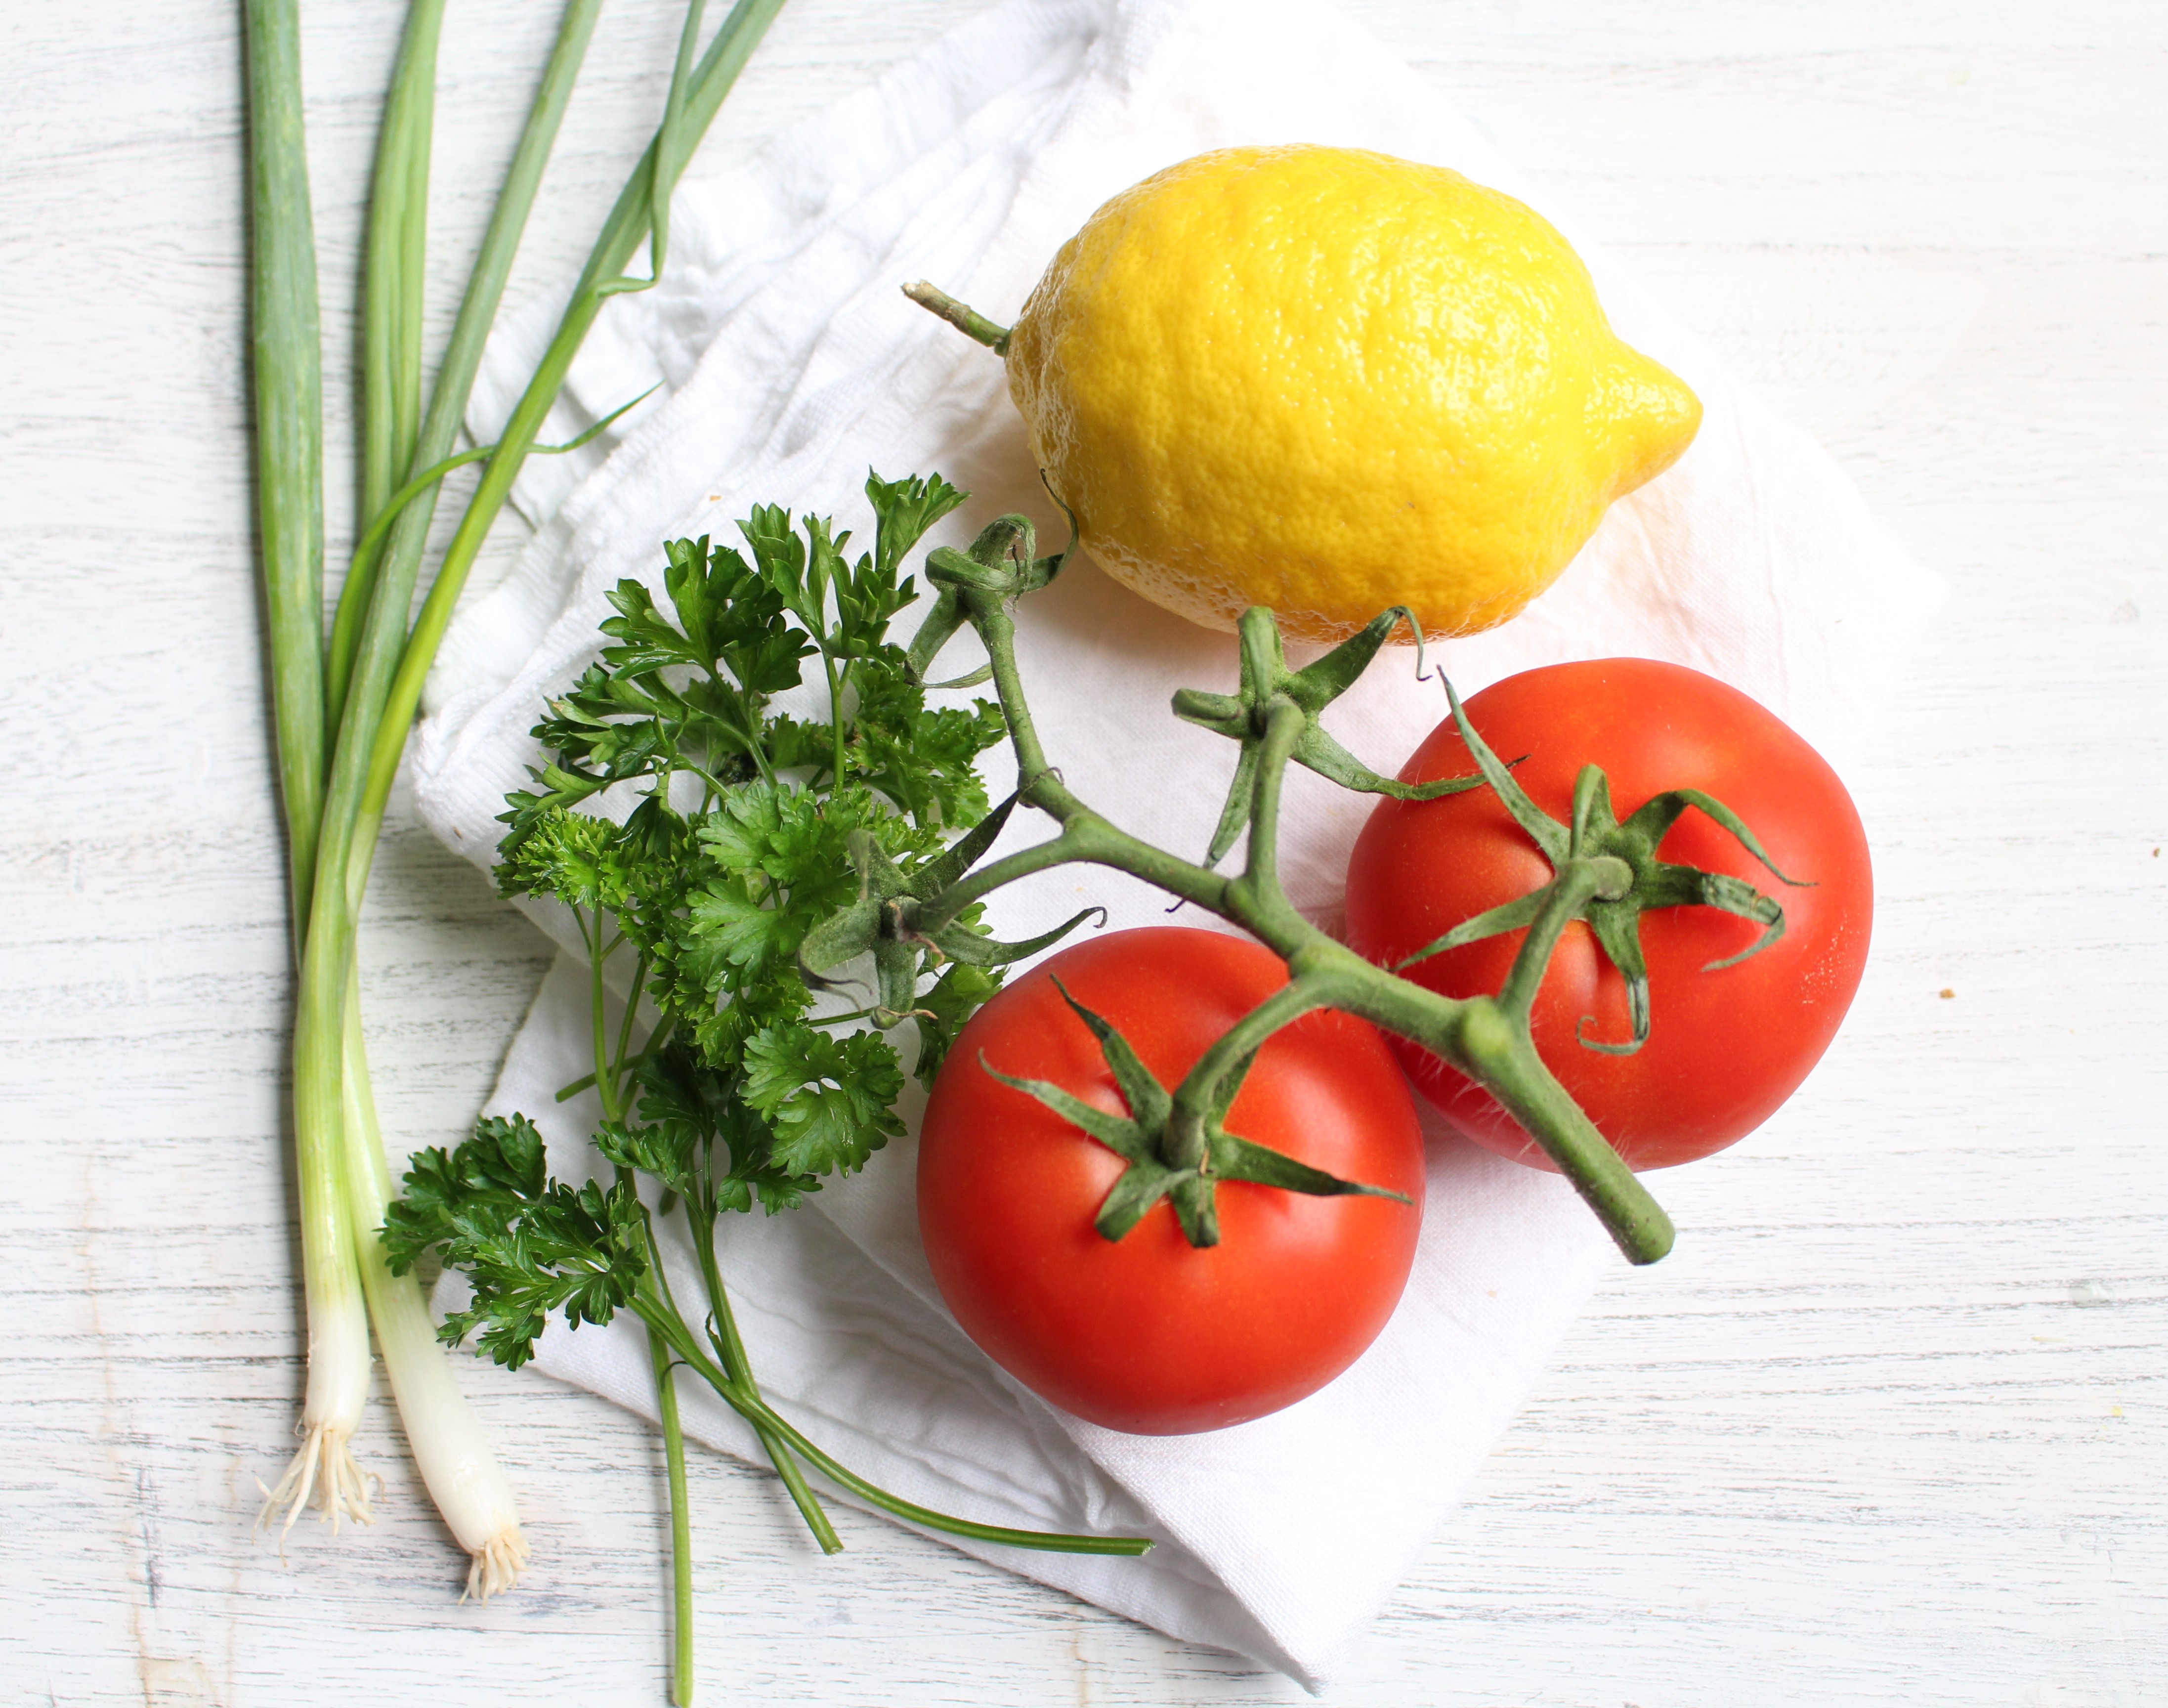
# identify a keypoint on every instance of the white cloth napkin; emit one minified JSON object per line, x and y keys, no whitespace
{"x":788,"y":364}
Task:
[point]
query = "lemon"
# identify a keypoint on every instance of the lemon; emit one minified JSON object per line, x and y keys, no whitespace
{"x":1332,"y":381}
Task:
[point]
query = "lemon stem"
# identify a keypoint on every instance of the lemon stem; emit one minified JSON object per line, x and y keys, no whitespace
{"x":962,"y":316}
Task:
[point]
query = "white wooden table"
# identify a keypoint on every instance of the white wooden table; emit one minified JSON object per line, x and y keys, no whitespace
{"x":1892,"y":1425}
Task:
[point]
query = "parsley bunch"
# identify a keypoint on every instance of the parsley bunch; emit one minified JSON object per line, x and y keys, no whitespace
{"x":743,"y":833}
{"x":690,"y":823}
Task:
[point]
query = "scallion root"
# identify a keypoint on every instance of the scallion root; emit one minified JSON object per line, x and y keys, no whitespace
{"x":496,"y":1564}
{"x":323,"y":1472}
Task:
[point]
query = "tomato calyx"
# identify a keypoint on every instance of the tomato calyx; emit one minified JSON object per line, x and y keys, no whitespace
{"x":1606,"y":873}
{"x":1242,"y":717}
{"x":999,"y":566}
{"x":884,"y":921}
{"x":1177,"y":1143}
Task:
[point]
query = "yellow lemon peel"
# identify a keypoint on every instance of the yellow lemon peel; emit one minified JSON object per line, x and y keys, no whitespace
{"x":1332,"y":381}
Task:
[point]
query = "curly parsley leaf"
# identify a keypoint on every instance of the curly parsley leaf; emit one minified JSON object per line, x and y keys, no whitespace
{"x":692,"y":1111}
{"x":531,"y":1247}
{"x":579,"y":858}
{"x":826,"y":1097}
{"x":903,"y":510}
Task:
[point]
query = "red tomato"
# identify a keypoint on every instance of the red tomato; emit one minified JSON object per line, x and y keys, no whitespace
{"x":1149,"y":1334}
{"x":1725,"y":1047}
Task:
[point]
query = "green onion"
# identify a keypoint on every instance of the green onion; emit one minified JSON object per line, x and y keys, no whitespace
{"x":454,"y":1454}
{"x":400,"y":562}
{"x":628,"y":224}
{"x":285,"y":342}
{"x":364,"y":683}
{"x":394,"y":277}
{"x":368,"y":754}
{"x":286,"y":352}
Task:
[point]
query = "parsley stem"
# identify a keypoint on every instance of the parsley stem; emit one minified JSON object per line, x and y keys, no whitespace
{"x":666,"y":1410}
{"x":631,"y":1010}
{"x":756,"y":1411}
{"x":730,"y":1345}
{"x":835,"y":717}
{"x":598,"y":1013}
{"x":665,"y":1390}
{"x":681,"y":1520}
{"x":713,"y":786}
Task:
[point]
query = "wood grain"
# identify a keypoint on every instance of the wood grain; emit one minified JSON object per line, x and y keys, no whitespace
{"x":1892,"y":1424}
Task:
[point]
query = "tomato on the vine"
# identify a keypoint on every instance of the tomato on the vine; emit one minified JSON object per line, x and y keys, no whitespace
{"x":1726,"y":1045}
{"x":1149,"y":1334}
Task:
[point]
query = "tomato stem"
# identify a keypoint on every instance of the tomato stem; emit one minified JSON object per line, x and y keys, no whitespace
{"x":1487,"y":1038}
{"x":1580,"y":880}
{"x":1283,"y":724}
{"x":1202,"y":1099}
{"x":1182,"y":1156}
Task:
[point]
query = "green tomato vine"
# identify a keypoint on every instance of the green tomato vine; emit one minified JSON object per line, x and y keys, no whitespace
{"x":1603,"y":872}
